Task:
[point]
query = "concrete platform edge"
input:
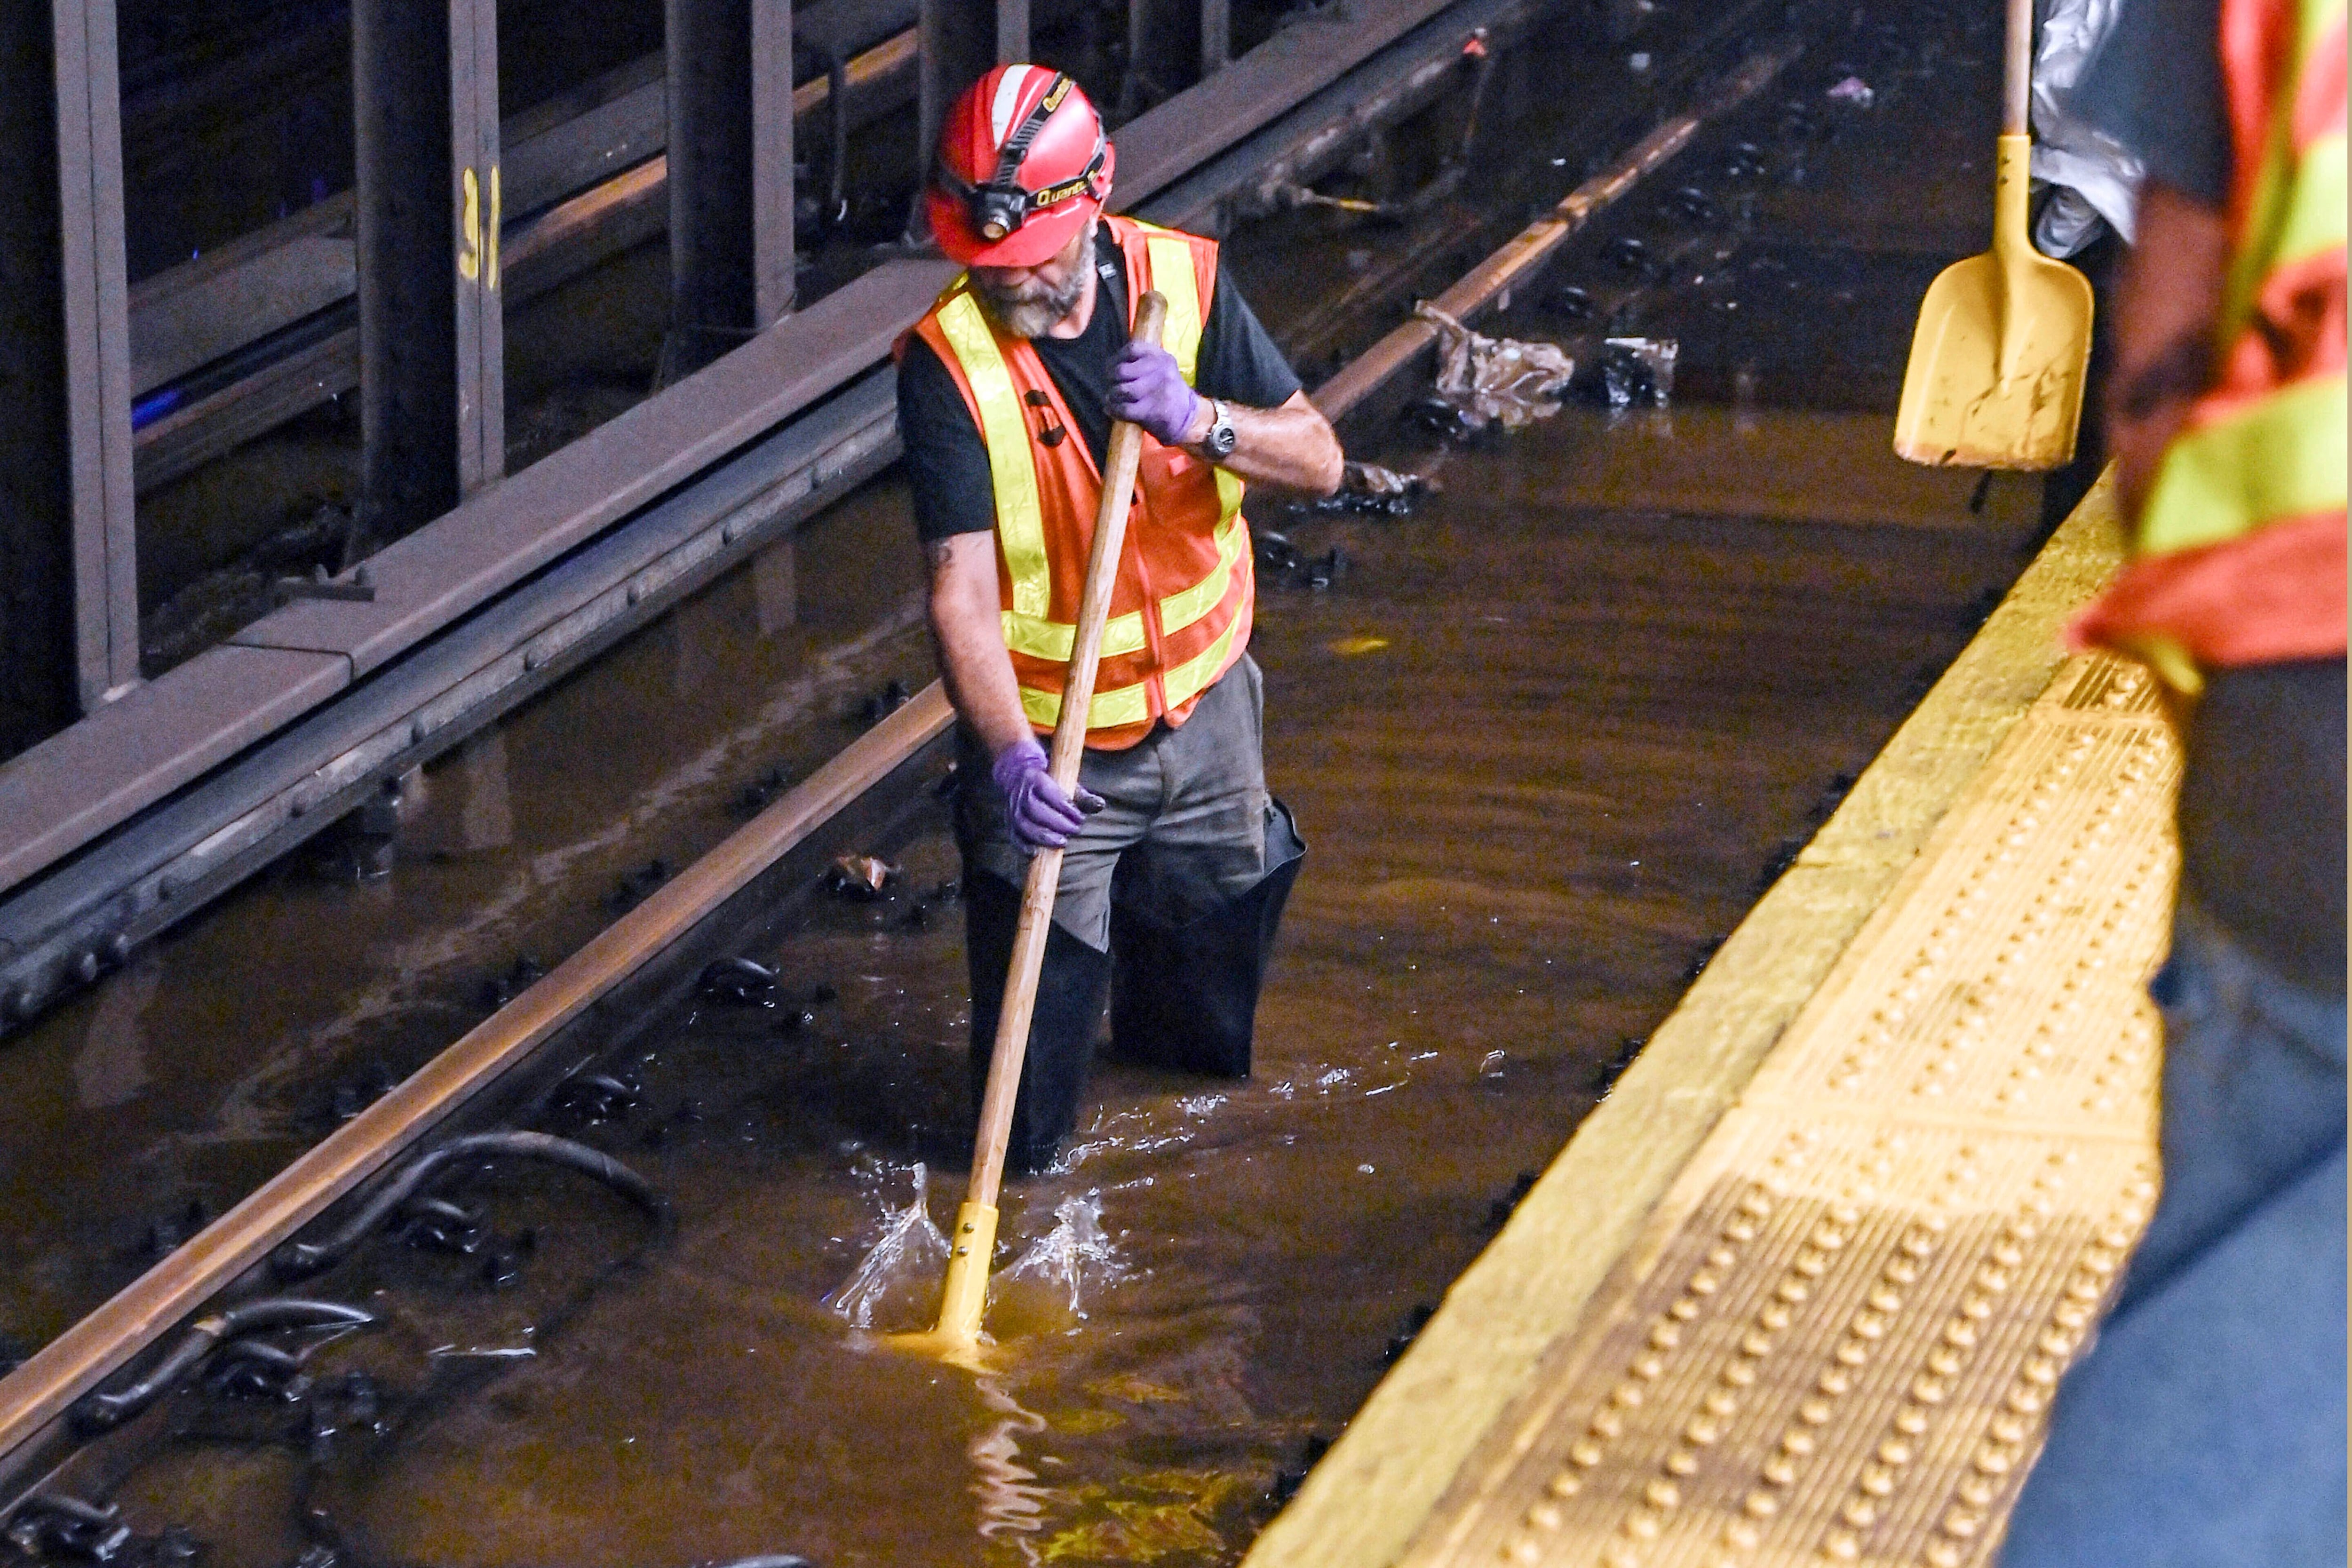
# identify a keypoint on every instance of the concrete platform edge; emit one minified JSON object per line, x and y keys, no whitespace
{"x":1367,"y":1497}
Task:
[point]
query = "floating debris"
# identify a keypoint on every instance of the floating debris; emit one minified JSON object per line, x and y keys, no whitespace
{"x":524,"y":972}
{"x":1853,"y":91}
{"x":1570,"y":303}
{"x":592,"y":1096}
{"x":860,"y":877}
{"x":1284,"y":565}
{"x":754,"y":797}
{"x":1495,"y":380}
{"x":1694,"y":204}
{"x":1367,"y":489}
{"x":1352,"y":648}
{"x":885,"y":702}
{"x":1747,"y":162}
{"x":635,"y":886}
{"x":1635,"y":372}
{"x":738,"y":983}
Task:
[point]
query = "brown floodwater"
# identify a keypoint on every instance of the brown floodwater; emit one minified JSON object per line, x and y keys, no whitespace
{"x":1548,"y":737}
{"x":1543,"y":752}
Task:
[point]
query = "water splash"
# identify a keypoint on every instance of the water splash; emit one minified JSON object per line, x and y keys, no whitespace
{"x":896,"y":1285}
{"x":1069,"y":1261}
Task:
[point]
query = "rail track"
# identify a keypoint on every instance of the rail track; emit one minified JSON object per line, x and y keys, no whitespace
{"x":184,"y":1313}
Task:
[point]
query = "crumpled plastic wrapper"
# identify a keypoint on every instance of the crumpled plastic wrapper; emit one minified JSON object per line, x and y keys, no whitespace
{"x":1495,"y":380}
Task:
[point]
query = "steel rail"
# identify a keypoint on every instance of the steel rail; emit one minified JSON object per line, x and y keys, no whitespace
{"x":44,"y":1387}
{"x":1525,"y":252}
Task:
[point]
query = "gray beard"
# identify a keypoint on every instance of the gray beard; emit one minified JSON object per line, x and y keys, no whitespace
{"x":1031,"y":317}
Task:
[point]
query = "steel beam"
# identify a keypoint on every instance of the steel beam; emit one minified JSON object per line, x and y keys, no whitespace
{"x":1164,"y":52}
{"x":730,"y":175}
{"x":959,"y":40}
{"x":425,"y":85}
{"x":70,"y":623}
{"x":171,"y":860}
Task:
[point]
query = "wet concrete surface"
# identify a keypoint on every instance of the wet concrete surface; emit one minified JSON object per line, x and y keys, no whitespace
{"x":1548,"y":737}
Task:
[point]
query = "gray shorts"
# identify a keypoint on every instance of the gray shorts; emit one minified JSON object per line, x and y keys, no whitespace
{"x":1185,"y":827}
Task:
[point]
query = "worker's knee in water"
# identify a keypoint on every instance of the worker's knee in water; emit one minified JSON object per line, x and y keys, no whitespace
{"x":1185,"y":997}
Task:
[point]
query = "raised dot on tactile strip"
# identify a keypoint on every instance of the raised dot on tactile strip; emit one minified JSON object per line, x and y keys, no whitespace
{"x":1994,"y":1459}
{"x":1666,"y":1336}
{"x":1927,"y":1390}
{"x":1756,"y":1344}
{"x":1523,"y":1551}
{"x":1774,"y":1316}
{"x":2056,"y":1343}
{"x":1993,"y":1279}
{"x":1662,"y":1494}
{"x":1683,"y":1309}
{"x":1834,"y":1381}
{"x":1721,"y":1403}
{"x":1944,"y":1361}
{"x":1625,"y":1396}
{"x":1640,"y":1526}
{"x":2069,"y":1314}
{"x":1853,"y":1353}
{"x":1566,"y":1484}
{"x":2009,"y":1429}
{"x":1959,"y":1333}
{"x":1544,"y":1516}
{"x":1795,"y":1442}
{"x":1585,"y":1452}
{"x":1893,"y":1452}
{"x":1870,"y":1325}
{"x":1647,"y":1365}
{"x":1760,"y":1505}
{"x":1701,"y":1432}
{"x":1736,"y":1374}
{"x":1979,"y":1490}
{"x":1943,"y":1555}
{"x":1859,"y":1512}
{"x":1606,"y":1424}
{"x":1963,"y":1523}
{"x":1810,"y":1265}
{"x":1791,"y":1290}
{"x":1815,"y":1412}
{"x":1682,"y":1462}
{"x":1900,"y":1271}
{"x":1722,"y":1258}
{"x":1703,"y":1283}
{"x":1975,"y":1307}
{"x":2039,"y":1372}
{"x":1779,"y":1470}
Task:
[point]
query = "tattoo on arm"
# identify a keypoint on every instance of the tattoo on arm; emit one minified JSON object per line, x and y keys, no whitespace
{"x":937,"y":553}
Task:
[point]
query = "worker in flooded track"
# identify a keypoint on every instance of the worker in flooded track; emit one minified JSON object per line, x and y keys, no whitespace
{"x":2207,"y":1427}
{"x":1176,"y":860}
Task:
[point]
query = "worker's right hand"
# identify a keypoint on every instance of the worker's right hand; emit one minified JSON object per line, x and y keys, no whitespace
{"x":1042,"y":817}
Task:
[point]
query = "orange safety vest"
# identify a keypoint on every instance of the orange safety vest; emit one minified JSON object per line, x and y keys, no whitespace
{"x":1179,"y":609}
{"x":2240,"y":553}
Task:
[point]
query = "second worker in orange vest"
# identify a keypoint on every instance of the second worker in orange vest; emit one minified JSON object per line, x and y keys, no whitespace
{"x":1177,"y":862}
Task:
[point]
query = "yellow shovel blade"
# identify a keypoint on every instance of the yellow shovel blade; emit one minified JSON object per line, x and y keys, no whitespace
{"x":1999,"y":358}
{"x":964,"y":1300}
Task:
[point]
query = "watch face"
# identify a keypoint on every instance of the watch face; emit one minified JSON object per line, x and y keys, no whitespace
{"x":1221,"y":440}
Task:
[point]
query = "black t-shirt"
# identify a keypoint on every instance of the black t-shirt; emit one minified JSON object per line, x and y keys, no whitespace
{"x":946,"y":460}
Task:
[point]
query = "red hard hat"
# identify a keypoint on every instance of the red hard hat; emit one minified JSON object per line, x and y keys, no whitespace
{"x":1024,"y":162}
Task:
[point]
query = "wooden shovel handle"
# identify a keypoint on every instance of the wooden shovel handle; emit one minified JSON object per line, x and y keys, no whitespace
{"x":2017,"y":76}
{"x":1068,"y":751}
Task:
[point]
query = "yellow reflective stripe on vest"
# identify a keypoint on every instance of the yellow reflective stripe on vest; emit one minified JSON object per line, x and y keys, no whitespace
{"x":1042,"y":639}
{"x":1132,"y":704}
{"x":1178,"y":611}
{"x":1191,"y":677}
{"x":1020,"y":516}
{"x":2282,"y":457}
{"x":2313,"y":223}
{"x":1170,"y":266}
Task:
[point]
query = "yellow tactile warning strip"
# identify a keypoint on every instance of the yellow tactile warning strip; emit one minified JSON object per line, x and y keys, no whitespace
{"x":1836,"y":1339}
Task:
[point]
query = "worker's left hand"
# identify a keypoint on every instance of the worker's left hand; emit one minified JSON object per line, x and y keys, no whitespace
{"x":1146,"y":389}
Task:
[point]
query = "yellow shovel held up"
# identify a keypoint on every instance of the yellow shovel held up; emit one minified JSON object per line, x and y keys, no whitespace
{"x":964,"y":1299}
{"x":2004,"y":339}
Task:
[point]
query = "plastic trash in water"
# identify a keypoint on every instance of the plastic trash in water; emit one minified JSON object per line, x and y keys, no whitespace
{"x":1853,"y":91}
{"x":895,"y":1288}
{"x":1637,"y":372}
{"x":1368,"y":489}
{"x":1495,"y":380}
{"x":1066,"y":1264}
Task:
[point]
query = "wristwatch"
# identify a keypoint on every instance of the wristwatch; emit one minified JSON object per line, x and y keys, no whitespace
{"x":1219,"y":442}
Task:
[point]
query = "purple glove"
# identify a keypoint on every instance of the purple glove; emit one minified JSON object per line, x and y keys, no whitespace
{"x":1042,"y":817}
{"x":1146,"y":389}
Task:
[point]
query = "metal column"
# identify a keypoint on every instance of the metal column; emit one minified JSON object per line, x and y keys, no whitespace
{"x":69,"y":569}
{"x":731,"y":174}
{"x":424,"y":81}
{"x":1171,"y":43}
{"x":961,"y":40}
